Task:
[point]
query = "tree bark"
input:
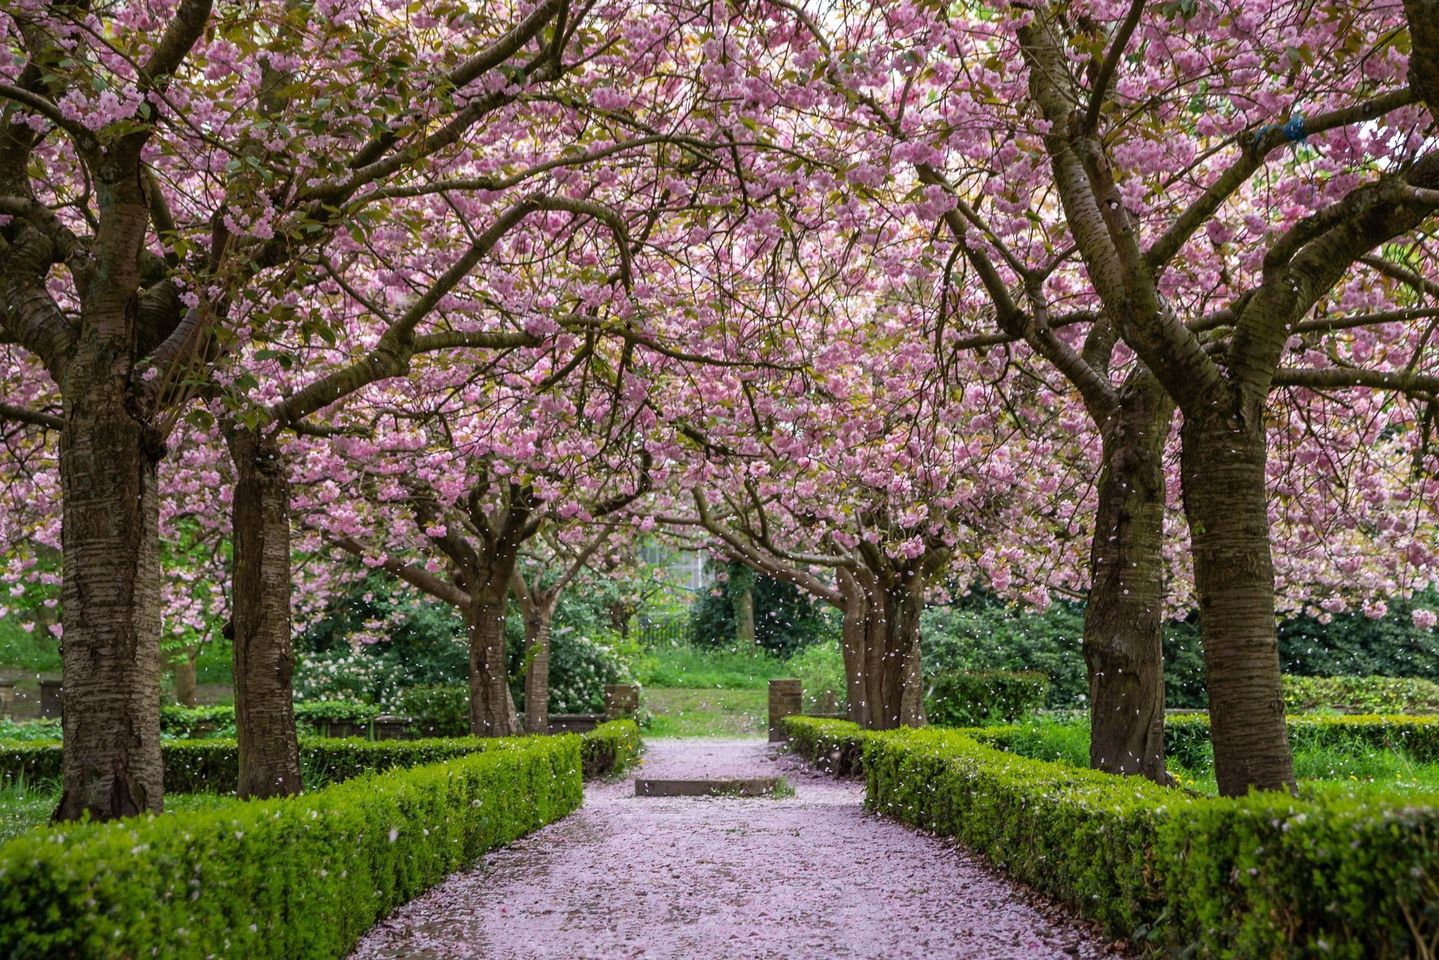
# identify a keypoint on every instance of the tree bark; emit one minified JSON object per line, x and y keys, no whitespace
{"x":1224,"y":498}
{"x":539,"y":614}
{"x":742,"y":603}
{"x":110,"y":649}
{"x":893,"y":678}
{"x":854,"y":614}
{"x":620,"y":614}
{"x":186,"y":689}
{"x":264,"y":662}
{"x":1123,"y":625}
{"x":1423,"y":17}
{"x":492,"y":708}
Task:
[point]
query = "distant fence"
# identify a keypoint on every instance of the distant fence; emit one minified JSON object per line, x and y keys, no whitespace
{"x":673,"y":629}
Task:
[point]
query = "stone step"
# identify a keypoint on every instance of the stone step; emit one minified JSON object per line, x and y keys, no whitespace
{"x":745,"y":787}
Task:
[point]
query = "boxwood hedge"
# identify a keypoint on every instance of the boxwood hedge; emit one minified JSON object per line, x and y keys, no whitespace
{"x":212,"y":766}
{"x":1263,"y":876}
{"x":187,"y":721}
{"x":301,"y":877}
{"x":610,"y":748}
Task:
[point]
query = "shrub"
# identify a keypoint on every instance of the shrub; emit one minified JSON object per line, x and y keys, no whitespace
{"x":213,"y":766}
{"x":610,"y":748}
{"x":1352,"y":644}
{"x":580,"y":666}
{"x":785,"y":618}
{"x":29,"y":731}
{"x":190,"y":722}
{"x":187,"y":722}
{"x":335,"y":711}
{"x":294,"y":878}
{"x":340,"y":674}
{"x":1263,"y":876}
{"x":1362,"y":694}
{"x":439,"y":711}
{"x":834,"y":746}
{"x":959,"y":699}
{"x":820,"y":669}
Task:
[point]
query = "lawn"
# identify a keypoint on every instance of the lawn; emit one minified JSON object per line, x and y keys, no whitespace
{"x":24,"y":806}
{"x":1320,"y":769}
{"x":721,"y":669}
{"x":689,"y":712}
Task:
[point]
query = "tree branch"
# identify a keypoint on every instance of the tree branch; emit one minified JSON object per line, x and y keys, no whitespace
{"x":1106,"y":71}
{"x":416,"y":576}
{"x":33,"y":417}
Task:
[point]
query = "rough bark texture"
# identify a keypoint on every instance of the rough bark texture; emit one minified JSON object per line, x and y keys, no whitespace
{"x":1423,"y":16}
{"x":186,"y":689}
{"x":260,"y":604}
{"x":539,"y":614}
{"x":854,"y":613}
{"x":111,"y":596}
{"x":1123,"y":627}
{"x":741,"y":594}
{"x":743,"y":602}
{"x":492,"y":708}
{"x":892,"y":678}
{"x":1225,"y":501}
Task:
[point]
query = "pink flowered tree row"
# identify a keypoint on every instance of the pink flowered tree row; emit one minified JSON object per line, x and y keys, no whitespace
{"x":1194,"y":118}
{"x":467,"y":485}
{"x":180,"y":182}
{"x":849,"y":274}
{"x":877,"y":480}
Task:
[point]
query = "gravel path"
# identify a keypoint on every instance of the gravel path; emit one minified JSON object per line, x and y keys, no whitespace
{"x":811,"y":876}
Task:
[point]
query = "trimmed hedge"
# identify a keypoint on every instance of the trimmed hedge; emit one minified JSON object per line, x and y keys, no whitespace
{"x":971,"y":699}
{"x":610,"y":748}
{"x":1362,"y":694}
{"x":213,"y":766}
{"x":183,"y":721}
{"x":837,"y":745}
{"x":1264,"y":876}
{"x":834,"y":746}
{"x":302,"y":877}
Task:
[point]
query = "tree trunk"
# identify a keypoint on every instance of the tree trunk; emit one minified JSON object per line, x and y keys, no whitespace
{"x":110,"y":649}
{"x":1423,"y":17}
{"x":538,"y":617}
{"x":186,"y":689}
{"x":260,"y":615}
{"x":1227,"y":506}
{"x":742,"y":603}
{"x":1123,"y":619}
{"x":620,"y":613}
{"x":852,"y":643}
{"x":893,"y":672}
{"x":492,"y":708}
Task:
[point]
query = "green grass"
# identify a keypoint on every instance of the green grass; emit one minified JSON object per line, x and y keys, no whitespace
{"x":705,"y":713}
{"x":1319,"y":769}
{"x":719,"y":669}
{"x":24,"y":805}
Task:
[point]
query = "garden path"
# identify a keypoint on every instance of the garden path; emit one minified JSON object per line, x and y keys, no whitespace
{"x":808,"y":876}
